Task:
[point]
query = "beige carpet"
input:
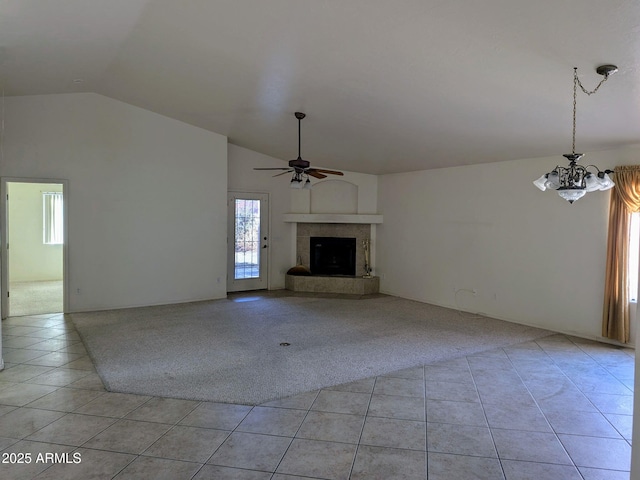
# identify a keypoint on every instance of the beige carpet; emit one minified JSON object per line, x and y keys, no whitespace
{"x":230,"y":350}
{"x":34,"y":298}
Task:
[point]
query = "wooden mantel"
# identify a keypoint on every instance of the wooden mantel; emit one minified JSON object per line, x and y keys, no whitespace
{"x":331,"y":218}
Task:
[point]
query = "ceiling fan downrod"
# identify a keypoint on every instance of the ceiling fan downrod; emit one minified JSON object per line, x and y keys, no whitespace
{"x":299,"y":116}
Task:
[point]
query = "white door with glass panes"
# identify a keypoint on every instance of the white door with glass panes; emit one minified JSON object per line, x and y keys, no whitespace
{"x":248,"y":241}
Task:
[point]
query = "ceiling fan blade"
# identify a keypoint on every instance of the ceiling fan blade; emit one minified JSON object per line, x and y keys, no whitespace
{"x":321,"y":170}
{"x":283,"y":173}
{"x":315,"y":174}
{"x":272,"y":168}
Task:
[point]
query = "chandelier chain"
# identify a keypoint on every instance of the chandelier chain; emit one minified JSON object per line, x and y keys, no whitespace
{"x":605,"y":77}
{"x":575,"y":91}
{"x":576,"y":83}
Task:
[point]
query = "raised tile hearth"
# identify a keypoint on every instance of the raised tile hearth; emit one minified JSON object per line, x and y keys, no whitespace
{"x":333,"y":284}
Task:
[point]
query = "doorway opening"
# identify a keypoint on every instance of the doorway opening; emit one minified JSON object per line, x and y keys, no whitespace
{"x":33,"y":267}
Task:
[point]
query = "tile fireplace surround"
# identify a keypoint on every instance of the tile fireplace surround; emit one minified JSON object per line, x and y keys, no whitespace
{"x":336,"y":284}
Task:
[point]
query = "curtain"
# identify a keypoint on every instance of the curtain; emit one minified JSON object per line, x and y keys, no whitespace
{"x":625,"y":200}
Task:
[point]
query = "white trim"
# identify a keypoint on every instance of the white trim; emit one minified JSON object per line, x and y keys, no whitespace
{"x":331,"y":218}
{"x":4,"y":257}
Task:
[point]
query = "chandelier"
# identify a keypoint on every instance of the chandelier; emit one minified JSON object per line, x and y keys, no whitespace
{"x":574,"y":181}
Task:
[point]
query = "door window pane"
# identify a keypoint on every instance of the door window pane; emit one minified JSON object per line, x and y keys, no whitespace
{"x":247,"y":238}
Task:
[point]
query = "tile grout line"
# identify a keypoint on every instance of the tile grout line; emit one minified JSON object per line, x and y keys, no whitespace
{"x":364,"y":422}
{"x":486,"y":419}
{"x":538,"y":405}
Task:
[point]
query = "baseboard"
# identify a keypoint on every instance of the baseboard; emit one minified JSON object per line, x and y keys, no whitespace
{"x":160,"y":304}
{"x":595,"y":338}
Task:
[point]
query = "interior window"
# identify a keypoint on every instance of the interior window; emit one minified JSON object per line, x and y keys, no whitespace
{"x":52,"y":218}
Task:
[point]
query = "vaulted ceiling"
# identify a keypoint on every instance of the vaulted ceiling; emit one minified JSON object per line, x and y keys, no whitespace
{"x":387,"y":85}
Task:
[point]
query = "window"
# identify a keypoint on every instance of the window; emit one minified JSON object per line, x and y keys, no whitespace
{"x":634,"y":248}
{"x":52,"y":218}
{"x":247,"y":239}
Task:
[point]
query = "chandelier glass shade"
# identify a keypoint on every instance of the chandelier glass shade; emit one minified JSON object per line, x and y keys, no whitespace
{"x":574,"y":181}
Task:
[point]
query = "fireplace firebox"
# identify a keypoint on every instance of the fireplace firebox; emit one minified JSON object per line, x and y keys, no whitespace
{"x":332,"y":256}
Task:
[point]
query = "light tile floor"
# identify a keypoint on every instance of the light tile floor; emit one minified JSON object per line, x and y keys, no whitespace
{"x":558,"y":408}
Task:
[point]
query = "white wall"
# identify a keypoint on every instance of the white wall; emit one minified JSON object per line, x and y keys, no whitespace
{"x":243,"y":178}
{"x":366,"y":201}
{"x":31,"y":259}
{"x":532,"y":257}
{"x":146,"y":199}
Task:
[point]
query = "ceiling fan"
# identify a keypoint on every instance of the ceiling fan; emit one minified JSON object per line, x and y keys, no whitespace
{"x":302,"y":168}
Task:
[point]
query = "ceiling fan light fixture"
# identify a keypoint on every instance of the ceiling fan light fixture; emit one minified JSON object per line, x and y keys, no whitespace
{"x":574,"y":181}
{"x":296,"y":182}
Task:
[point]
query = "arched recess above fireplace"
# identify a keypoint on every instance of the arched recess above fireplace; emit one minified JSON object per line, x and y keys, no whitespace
{"x":334,"y":196}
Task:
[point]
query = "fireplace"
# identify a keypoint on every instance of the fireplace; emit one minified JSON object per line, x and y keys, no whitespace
{"x":332,"y":256}
{"x":307,"y":231}
{"x":349,"y":281}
